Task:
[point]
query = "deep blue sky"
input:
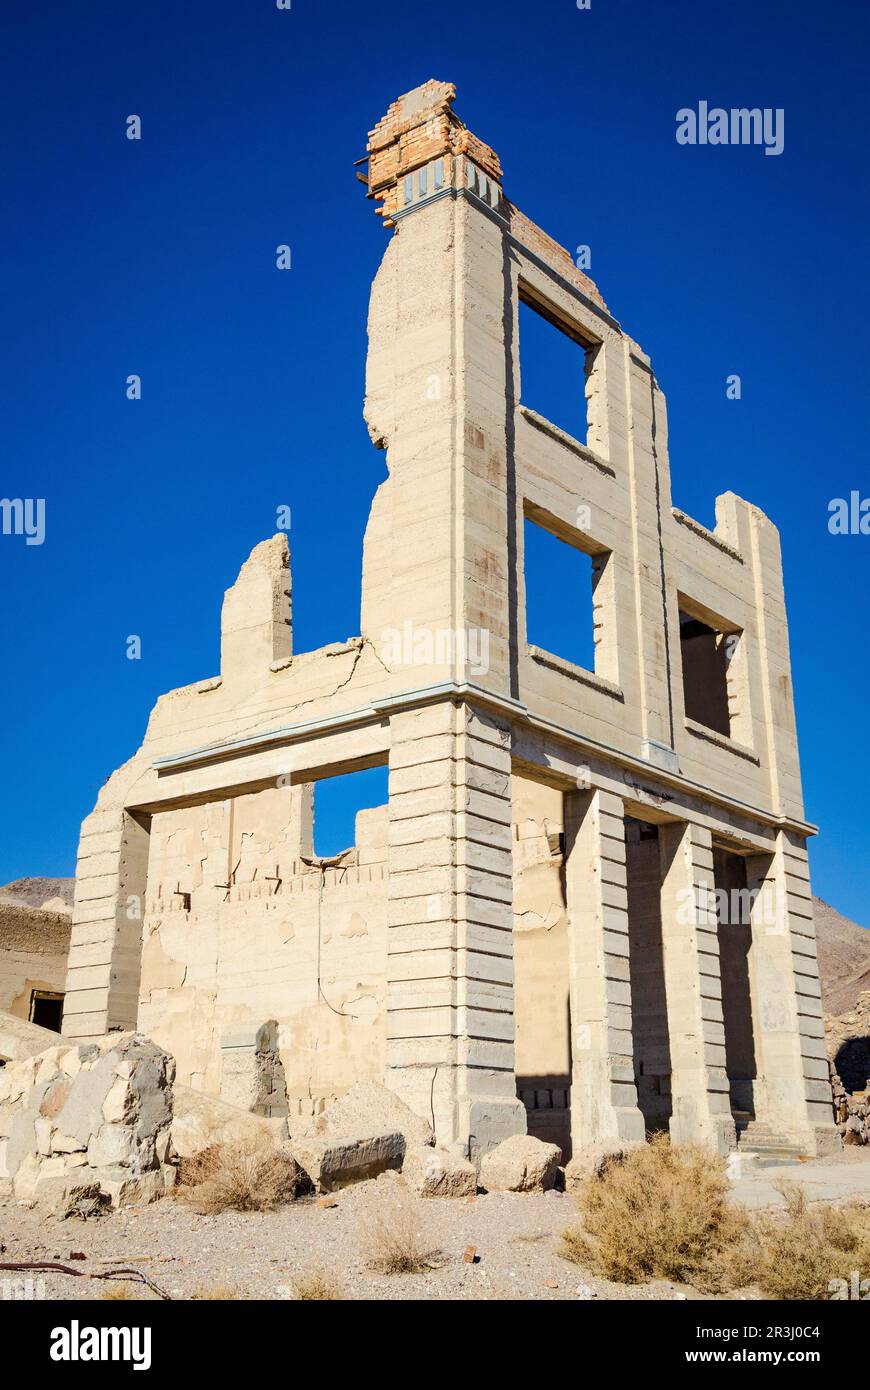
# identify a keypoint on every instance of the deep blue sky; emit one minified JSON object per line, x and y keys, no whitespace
{"x":157,"y":258}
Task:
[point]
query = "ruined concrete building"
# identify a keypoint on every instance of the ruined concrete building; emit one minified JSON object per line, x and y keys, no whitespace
{"x":585,"y":909}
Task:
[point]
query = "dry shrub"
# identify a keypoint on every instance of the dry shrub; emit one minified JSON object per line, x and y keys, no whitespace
{"x":392,"y":1233}
{"x":796,"y":1253}
{"x":215,"y":1293}
{"x":314,"y":1285}
{"x":241,"y":1175}
{"x":660,"y":1212}
{"x":657,"y":1212}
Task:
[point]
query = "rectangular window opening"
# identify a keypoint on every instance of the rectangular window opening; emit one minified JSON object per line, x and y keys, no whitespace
{"x":706,"y":655}
{"x":338,"y":800}
{"x":554,"y":365}
{"x":562,"y":616}
{"x":46,"y":1009}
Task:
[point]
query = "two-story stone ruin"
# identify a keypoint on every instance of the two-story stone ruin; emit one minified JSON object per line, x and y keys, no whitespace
{"x":585,"y":908}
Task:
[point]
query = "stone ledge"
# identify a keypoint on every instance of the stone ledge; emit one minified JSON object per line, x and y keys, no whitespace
{"x":723,"y":741}
{"x":562,"y":437}
{"x":577,"y":673}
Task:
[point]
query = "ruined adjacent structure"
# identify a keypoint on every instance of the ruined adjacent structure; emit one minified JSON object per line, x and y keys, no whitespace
{"x":585,"y":909}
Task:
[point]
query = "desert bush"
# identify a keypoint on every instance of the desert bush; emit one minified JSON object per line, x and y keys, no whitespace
{"x":392,"y":1233}
{"x":313,"y":1285}
{"x":659,"y":1211}
{"x":242,"y":1175}
{"x":214,"y":1293}
{"x":796,"y":1253}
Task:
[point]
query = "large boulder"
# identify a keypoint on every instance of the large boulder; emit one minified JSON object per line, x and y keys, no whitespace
{"x":368,"y":1108}
{"x":200,"y":1121}
{"x":435,"y":1172}
{"x":520,"y":1164}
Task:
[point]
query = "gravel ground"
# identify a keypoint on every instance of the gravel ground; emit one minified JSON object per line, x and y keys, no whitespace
{"x":258,"y":1254}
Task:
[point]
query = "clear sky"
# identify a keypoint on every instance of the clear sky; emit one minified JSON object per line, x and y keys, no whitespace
{"x":157,"y":257}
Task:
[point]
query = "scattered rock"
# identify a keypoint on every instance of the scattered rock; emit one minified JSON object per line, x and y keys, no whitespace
{"x":520,"y":1164}
{"x":435,"y":1172}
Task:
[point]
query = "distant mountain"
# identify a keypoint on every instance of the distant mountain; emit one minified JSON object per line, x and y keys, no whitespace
{"x":844,"y":958}
{"x":54,"y":893}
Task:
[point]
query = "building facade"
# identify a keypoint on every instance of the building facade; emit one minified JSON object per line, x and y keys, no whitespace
{"x":585,"y":907}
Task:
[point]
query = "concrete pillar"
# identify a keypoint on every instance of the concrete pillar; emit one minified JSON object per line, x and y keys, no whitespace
{"x":105,"y":957}
{"x":792,"y":1091}
{"x":604,"y":1110}
{"x":450,"y":1019}
{"x":690,"y":941}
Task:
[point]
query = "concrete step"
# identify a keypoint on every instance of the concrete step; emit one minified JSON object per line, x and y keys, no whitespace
{"x":767,"y":1144}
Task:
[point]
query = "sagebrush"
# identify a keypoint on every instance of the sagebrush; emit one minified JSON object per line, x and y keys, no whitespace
{"x":241,"y":1175}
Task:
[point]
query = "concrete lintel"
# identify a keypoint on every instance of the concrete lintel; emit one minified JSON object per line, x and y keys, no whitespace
{"x":501,"y":704}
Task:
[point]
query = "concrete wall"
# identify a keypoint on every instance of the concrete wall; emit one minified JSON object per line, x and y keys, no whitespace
{"x":264,"y":936}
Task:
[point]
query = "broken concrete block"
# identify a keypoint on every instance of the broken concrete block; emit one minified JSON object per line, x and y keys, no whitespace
{"x":334,"y":1163}
{"x":520,"y":1164}
{"x":368,"y":1108}
{"x":126,"y":1189}
{"x":435,"y":1172}
{"x":56,"y":1192}
{"x":199,"y":1121}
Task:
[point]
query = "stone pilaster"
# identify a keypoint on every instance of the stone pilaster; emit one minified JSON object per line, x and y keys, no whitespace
{"x":699,"y":1081}
{"x":604,"y":1110}
{"x":450,"y":1019}
{"x":793,"y":1089}
{"x":102,"y":988}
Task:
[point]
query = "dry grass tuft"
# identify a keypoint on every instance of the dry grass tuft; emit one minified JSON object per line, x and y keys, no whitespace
{"x":797,"y":1253}
{"x":393,"y":1235}
{"x":215,"y":1293}
{"x":314,"y":1285}
{"x":243,"y":1175}
{"x":657,"y":1212}
{"x":115,"y":1292}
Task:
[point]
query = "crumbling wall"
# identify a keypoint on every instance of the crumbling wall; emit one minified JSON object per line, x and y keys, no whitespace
{"x":239,"y":930}
{"x":87,"y":1122}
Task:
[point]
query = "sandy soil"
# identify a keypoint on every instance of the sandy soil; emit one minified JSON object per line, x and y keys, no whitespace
{"x":258,"y":1255}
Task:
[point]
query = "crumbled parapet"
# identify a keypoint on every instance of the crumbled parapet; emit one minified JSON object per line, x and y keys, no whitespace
{"x":88,"y":1120}
{"x":436,"y":1172}
{"x":520,"y":1164}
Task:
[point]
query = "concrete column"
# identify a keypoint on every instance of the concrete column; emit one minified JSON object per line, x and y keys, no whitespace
{"x":105,"y":957}
{"x":793,"y":1089}
{"x":699,"y":1081}
{"x":450,"y":1019}
{"x":604,"y":1110}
